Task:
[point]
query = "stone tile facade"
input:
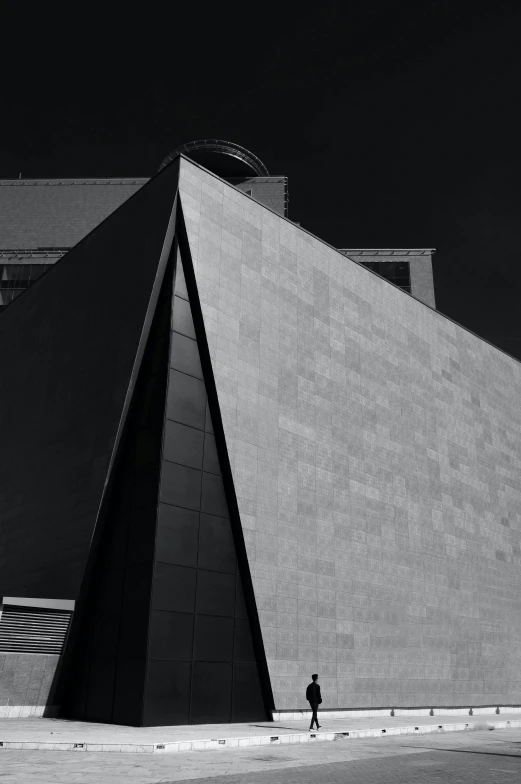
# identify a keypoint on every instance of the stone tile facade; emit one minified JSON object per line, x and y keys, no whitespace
{"x":26,"y":680}
{"x":376,"y":452}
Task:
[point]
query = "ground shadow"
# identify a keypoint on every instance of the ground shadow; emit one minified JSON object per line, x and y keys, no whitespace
{"x":469,"y":751}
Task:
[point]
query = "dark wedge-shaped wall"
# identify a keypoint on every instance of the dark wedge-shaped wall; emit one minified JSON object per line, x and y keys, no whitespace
{"x":70,"y":344}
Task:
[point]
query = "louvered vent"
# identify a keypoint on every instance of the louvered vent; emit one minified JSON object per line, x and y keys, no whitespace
{"x":33,"y":629}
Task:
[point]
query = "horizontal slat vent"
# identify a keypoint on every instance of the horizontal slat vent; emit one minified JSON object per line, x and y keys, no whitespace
{"x":33,"y":629}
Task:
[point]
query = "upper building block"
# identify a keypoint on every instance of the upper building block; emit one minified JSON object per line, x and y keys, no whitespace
{"x":408,"y":268}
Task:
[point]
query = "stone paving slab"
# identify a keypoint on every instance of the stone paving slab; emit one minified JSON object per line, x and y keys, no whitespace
{"x":61,"y":735}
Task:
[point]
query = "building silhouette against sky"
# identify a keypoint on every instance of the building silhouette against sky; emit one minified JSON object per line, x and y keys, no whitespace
{"x":231,"y":455}
{"x":41,"y":219}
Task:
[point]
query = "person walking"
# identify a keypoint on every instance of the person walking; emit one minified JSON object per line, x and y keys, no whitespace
{"x":314,"y":698}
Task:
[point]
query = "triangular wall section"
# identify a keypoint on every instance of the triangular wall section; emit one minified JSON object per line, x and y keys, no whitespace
{"x":166,"y":630}
{"x":70,"y":348}
{"x":204,"y":664}
{"x":104,"y":670}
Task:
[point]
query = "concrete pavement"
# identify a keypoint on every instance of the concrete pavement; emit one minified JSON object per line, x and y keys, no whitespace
{"x":456,"y":757}
{"x":61,"y":735}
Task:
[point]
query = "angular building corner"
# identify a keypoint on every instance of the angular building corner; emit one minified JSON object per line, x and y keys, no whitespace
{"x":161,"y":631}
{"x":375,"y":449}
{"x":250,"y":459}
{"x":164,"y":632}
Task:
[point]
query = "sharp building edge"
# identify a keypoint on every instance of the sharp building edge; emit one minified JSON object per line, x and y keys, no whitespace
{"x":251,"y":459}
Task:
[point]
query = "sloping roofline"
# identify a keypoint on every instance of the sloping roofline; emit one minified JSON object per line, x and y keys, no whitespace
{"x":366,"y":269}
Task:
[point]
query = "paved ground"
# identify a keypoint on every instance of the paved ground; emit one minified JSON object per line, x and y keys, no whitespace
{"x":62,"y":731}
{"x":478,"y":757}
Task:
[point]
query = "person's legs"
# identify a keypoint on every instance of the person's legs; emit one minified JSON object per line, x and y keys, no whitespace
{"x":314,"y":718}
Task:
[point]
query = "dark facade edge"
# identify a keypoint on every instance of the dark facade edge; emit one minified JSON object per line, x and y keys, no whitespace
{"x":222,"y":450}
{"x":168,"y":244}
{"x":69,"y":653}
{"x":67,"y":249}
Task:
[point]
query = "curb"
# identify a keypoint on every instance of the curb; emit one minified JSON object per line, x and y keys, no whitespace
{"x":256,"y":740}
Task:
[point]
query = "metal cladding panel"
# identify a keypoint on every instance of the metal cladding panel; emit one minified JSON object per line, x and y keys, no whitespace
{"x":375,"y":449}
{"x":67,"y":352}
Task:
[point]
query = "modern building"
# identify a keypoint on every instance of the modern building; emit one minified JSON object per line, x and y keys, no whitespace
{"x":233,"y":456}
{"x":40,"y":220}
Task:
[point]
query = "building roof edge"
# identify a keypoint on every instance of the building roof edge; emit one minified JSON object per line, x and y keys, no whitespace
{"x":76,"y":181}
{"x":367,"y":270}
{"x":388,"y":251}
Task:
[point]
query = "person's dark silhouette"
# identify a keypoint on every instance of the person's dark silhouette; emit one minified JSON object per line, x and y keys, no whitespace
{"x":314,"y":698}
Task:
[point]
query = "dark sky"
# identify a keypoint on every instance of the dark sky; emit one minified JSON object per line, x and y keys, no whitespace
{"x":396,"y":122}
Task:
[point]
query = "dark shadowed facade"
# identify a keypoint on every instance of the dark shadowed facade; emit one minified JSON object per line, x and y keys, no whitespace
{"x":241,"y":458}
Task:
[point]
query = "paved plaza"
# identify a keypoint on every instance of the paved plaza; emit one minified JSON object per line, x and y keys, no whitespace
{"x":459,"y":758}
{"x":63,"y":735}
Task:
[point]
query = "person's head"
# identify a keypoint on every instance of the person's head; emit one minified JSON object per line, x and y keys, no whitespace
{"x":314,"y":677}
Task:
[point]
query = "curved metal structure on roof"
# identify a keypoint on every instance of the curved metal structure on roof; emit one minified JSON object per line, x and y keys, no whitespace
{"x":226,"y":159}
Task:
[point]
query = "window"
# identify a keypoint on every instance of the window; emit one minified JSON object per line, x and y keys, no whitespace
{"x":16,"y":278}
{"x":397,"y":272}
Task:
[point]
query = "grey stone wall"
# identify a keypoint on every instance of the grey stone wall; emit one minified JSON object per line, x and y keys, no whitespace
{"x":376,"y":453}
{"x":422,"y":280}
{"x":26,"y":678}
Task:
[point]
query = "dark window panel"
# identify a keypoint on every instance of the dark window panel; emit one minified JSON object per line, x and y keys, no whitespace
{"x":133,"y":628}
{"x":8,"y":295}
{"x":171,"y":635}
{"x":134,"y":621}
{"x":174,"y":588}
{"x":183,"y":321}
{"x":243,"y":649}
{"x":215,"y":593}
{"x":184,"y":355}
{"x":208,"y":423}
{"x":248,"y":704}
{"x":106,"y":633}
{"x":167,"y":695}
{"x":145,"y":485}
{"x":213,"y":638}
{"x":186,"y":400}
{"x":183,"y":444}
{"x":397,"y":272}
{"x":12,"y":271}
{"x":147,"y":446}
{"x":39,"y":269}
{"x":140,"y":546}
{"x":211,"y":692}
{"x":181,"y":486}
{"x":211,"y":458}
{"x":75,"y":700}
{"x":128,"y":693}
{"x":213,"y":499}
{"x":180,"y":282}
{"x":100,"y":695}
{"x":177,"y":536}
{"x":240,"y":604}
{"x":14,"y":283}
{"x":161,"y":343}
{"x":216,"y":544}
{"x":153,"y":398}
{"x":137,"y":582}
